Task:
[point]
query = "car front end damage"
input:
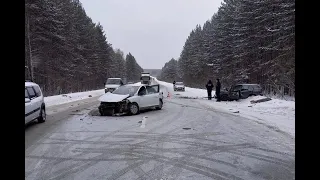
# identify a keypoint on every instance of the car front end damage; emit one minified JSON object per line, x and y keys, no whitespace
{"x":114,"y":108}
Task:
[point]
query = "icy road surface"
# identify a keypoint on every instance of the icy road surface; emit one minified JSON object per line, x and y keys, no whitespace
{"x":184,"y":140}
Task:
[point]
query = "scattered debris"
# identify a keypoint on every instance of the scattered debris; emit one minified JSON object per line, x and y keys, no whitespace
{"x":140,"y":122}
{"x":236,"y":112}
{"x":64,"y":95}
{"x":71,"y":104}
{"x":260,"y":100}
{"x":186,"y":97}
{"x":186,"y":128}
{"x":76,"y":110}
{"x":81,"y":119}
{"x":249,"y":106}
{"x":89,"y":96}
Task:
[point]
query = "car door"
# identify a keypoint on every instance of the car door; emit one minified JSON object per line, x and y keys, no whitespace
{"x":153,"y":95}
{"x":28,"y":107}
{"x":244,"y":91}
{"x":38,"y":100}
{"x":142,"y":97}
{"x":34,"y":104}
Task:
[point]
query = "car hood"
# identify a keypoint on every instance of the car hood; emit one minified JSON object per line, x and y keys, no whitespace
{"x":109,"y":97}
{"x":111,"y":85}
{"x":179,"y":85}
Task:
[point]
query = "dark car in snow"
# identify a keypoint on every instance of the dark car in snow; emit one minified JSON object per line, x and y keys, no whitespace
{"x":240,"y":91}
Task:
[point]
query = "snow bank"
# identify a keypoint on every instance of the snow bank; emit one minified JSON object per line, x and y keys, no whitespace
{"x":277,"y":113}
{"x":66,"y":98}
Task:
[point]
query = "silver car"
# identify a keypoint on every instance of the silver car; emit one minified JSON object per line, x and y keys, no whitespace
{"x":179,"y":86}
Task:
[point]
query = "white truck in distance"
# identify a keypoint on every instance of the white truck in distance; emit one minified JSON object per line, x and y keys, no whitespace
{"x":145,"y":78}
{"x":112,"y":84}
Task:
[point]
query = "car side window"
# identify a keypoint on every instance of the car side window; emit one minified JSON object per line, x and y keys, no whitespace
{"x":142,"y":91}
{"x":31,"y":92}
{"x":26,"y":95}
{"x":151,"y":90}
{"x":250,"y":88}
{"x":37,"y":90}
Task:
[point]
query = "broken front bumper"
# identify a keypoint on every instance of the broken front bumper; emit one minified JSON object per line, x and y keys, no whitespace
{"x":113,"y":108}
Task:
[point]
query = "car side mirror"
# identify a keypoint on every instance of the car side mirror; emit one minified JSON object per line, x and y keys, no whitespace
{"x":27,"y":100}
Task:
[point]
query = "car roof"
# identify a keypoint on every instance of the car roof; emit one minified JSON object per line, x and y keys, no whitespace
{"x":30,"y":84}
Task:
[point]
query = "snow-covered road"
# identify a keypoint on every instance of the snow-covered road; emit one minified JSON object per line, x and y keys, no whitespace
{"x":187,"y":139}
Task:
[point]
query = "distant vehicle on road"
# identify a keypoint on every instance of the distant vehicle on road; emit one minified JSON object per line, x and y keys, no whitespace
{"x":131,"y":99}
{"x":34,"y":103}
{"x":112,"y":84}
{"x":145,"y":78}
{"x":179,"y":86}
{"x":240,"y":91}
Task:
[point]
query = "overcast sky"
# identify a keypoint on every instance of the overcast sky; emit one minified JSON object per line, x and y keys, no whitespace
{"x":154,"y":31}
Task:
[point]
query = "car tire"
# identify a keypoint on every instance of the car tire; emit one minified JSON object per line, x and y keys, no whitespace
{"x":223,"y":97}
{"x":159,"y":107}
{"x":133,"y":109}
{"x":101,"y":112}
{"x":42,"y":117}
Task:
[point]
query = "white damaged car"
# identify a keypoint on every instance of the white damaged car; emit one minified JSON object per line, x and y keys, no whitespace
{"x":131,"y":99}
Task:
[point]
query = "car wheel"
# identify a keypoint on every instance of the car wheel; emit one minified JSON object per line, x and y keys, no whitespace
{"x":224,"y":97}
{"x":42,"y":117}
{"x":133,"y":109}
{"x":160,"y":105}
{"x":101,"y":112}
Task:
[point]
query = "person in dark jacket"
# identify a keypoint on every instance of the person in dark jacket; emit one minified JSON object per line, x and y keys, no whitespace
{"x":209,"y":87}
{"x":218,"y":87}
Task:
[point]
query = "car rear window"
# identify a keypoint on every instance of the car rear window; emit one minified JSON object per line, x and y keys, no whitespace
{"x":37,"y":90}
{"x":31,"y":92}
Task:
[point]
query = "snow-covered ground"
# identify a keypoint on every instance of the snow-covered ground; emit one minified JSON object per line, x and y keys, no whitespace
{"x":276,"y":113}
{"x":66,"y":98}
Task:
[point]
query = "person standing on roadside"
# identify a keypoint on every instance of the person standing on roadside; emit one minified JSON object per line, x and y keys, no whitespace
{"x":218,"y":87}
{"x":209,"y":87}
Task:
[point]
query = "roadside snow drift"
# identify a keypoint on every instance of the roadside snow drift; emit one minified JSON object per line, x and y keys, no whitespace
{"x":274,"y":113}
{"x":66,"y":98}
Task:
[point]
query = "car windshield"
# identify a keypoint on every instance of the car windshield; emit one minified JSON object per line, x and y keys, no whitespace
{"x":113,"y":81}
{"x":145,"y":78}
{"x":179,"y":83}
{"x":123,"y":90}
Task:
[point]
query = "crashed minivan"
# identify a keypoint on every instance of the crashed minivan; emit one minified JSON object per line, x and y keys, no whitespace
{"x":131,"y":99}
